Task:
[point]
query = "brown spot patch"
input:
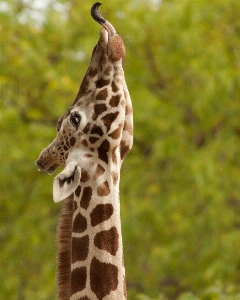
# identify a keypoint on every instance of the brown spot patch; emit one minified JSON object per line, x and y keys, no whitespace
{"x":72,"y":141}
{"x":128,"y":127}
{"x":84,"y":298}
{"x":86,"y":197}
{"x":79,"y":223}
{"x":92,"y":72}
{"x":124,"y":149}
{"x":84,"y":176}
{"x":103,"y":82}
{"x":116,"y":133}
{"x":102,"y":95}
{"x":128,"y":109}
{"x":98,"y":110}
{"x":114,"y":101}
{"x":103,"y":278}
{"x":114,"y":87}
{"x":84,"y":143}
{"x":102,"y":151}
{"x":97,"y":130}
{"x":114,"y":155}
{"x":98,"y":172}
{"x":75,"y":206}
{"x":107,"y":240}
{"x":80,"y":248}
{"x":108,"y":70}
{"x":78,"y":191}
{"x":103,"y":189}
{"x":86,"y":128}
{"x":93,"y":140}
{"x":114,"y":177}
{"x":84,"y":86}
{"x":109,"y":119}
{"x":78,"y":279}
{"x":101,"y":213}
{"x":67,"y":144}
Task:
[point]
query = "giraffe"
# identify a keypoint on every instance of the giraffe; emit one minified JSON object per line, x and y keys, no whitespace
{"x":93,"y":138}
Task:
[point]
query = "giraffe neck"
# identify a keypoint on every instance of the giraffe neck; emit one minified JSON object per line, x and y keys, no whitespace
{"x":96,"y":258}
{"x":94,"y":136}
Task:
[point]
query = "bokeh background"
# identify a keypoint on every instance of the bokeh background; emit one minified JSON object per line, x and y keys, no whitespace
{"x":180,"y":185}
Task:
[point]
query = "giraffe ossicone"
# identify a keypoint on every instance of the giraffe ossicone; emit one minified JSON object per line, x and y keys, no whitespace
{"x":94,"y":136}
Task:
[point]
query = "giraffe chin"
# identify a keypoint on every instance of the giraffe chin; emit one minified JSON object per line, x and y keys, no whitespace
{"x":66,"y":182}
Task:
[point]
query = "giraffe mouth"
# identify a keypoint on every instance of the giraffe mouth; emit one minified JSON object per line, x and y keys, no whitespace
{"x":52,"y":169}
{"x":46,"y":168}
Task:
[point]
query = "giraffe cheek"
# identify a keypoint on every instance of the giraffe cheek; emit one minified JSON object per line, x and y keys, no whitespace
{"x":72,"y":141}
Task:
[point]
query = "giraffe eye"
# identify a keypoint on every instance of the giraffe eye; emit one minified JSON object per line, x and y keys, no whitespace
{"x":75,"y":119}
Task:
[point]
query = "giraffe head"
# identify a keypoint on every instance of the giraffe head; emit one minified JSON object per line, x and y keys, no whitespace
{"x":98,"y":125}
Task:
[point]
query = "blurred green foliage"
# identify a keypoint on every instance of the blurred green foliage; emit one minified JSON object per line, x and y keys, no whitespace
{"x":180,"y":185}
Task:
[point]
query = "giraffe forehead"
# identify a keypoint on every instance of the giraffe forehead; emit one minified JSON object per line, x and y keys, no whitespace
{"x":83,"y":108}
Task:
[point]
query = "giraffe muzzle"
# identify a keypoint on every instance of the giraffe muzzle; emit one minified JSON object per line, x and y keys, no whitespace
{"x":45,"y":167}
{"x":46,"y":163}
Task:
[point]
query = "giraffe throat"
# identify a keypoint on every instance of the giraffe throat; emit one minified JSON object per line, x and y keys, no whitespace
{"x":97,"y":270}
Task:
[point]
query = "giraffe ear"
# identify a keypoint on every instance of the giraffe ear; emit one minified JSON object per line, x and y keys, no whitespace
{"x":66,"y":182}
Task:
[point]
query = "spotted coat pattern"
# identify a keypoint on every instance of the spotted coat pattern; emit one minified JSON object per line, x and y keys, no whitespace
{"x":90,"y":254}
